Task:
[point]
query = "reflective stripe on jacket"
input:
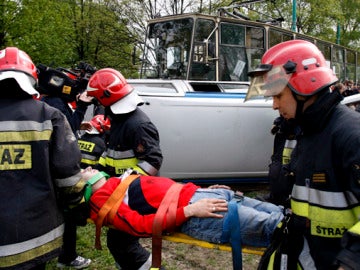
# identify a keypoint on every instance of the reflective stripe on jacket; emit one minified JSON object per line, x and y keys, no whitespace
{"x":39,"y":160}
{"x":133,"y":143}
{"x":91,"y":147}
{"x":326,"y":164}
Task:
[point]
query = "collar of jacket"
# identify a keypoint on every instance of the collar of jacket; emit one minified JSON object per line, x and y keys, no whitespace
{"x":316,"y":116}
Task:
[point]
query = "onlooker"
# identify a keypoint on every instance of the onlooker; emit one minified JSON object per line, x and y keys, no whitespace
{"x":349,"y":88}
{"x":325,"y":199}
{"x":39,"y":169}
{"x":60,"y":89}
{"x":133,"y":143}
{"x":93,"y":142}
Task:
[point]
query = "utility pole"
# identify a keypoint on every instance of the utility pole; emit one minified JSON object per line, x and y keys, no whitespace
{"x":293,"y":24}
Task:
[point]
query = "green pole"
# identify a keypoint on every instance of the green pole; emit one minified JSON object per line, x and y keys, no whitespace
{"x":338,"y":33}
{"x":293,"y":25}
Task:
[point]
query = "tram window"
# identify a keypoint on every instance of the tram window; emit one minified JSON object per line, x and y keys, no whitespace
{"x":276,"y":37}
{"x":254,"y":57}
{"x":325,"y":49}
{"x":338,"y":55}
{"x":203,"y":30}
{"x":202,"y":68}
{"x":305,"y":38}
{"x":351,"y":72}
{"x":338,"y":62}
{"x":350,"y":65}
{"x":357,"y":67}
{"x":255,"y":37}
{"x":232,"y":34}
{"x":199,"y":52}
{"x":167,"y":41}
{"x":350,"y":57}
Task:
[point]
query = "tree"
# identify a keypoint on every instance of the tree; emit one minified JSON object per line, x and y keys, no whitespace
{"x":8,"y":11}
{"x":40,"y":30}
{"x":62,"y":33}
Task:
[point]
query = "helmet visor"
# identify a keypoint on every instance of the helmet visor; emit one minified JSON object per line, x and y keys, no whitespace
{"x":267,"y":83}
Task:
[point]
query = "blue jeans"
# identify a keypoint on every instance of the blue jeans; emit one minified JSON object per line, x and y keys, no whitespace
{"x":257,"y":219}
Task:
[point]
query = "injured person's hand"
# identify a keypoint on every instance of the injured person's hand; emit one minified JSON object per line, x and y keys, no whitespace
{"x":208,"y":207}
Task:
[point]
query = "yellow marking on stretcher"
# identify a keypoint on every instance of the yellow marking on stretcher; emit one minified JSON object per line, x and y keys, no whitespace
{"x":185,"y":239}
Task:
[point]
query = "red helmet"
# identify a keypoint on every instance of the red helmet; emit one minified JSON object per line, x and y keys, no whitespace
{"x":110,"y":88}
{"x":100,"y":124}
{"x":298,"y":64}
{"x":16,"y":64}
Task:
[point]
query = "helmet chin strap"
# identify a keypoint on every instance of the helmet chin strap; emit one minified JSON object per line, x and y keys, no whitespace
{"x":300,"y":103}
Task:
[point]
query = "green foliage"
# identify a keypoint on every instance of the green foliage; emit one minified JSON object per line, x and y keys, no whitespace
{"x":64,"y":32}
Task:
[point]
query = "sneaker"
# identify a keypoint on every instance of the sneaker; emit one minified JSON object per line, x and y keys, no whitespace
{"x":78,"y":263}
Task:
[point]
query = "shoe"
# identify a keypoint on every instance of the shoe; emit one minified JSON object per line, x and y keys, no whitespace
{"x":78,"y":263}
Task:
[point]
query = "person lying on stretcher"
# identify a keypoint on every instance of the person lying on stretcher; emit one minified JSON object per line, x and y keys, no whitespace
{"x":200,"y":213}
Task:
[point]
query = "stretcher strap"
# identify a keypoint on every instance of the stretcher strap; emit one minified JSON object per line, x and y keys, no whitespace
{"x":167,"y":209}
{"x":111,"y":206}
{"x":232,"y":235}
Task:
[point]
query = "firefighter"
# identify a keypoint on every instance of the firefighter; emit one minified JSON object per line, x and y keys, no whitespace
{"x":133,"y":143}
{"x":39,"y":168}
{"x":93,"y":142}
{"x":325,"y":164}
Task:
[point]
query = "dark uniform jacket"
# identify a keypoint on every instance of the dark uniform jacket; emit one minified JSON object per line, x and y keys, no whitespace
{"x":91,"y":147}
{"x":39,"y":162}
{"x":74,"y":117}
{"x":133,"y":143}
{"x":326,"y":196}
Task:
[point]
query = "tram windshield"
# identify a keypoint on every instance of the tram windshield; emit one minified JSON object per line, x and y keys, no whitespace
{"x":196,"y":48}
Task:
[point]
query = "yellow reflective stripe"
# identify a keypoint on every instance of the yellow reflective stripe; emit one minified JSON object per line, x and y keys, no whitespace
{"x":25,"y":136}
{"x":11,"y":249}
{"x":288,"y":148}
{"x":13,"y":260}
{"x":102,"y":161}
{"x":120,"y":165}
{"x":355,"y":229}
{"x":271,"y":261}
{"x":330,"y":223}
{"x":122,"y":160}
{"x":139,"y":170}
{"x":88,"y":161}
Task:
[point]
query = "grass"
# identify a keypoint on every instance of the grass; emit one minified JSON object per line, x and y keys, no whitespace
{"x":175,"y":256}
